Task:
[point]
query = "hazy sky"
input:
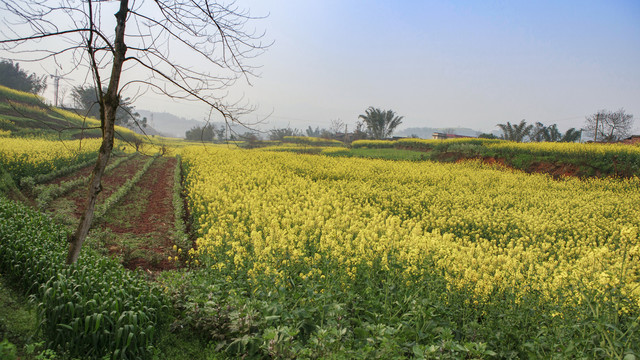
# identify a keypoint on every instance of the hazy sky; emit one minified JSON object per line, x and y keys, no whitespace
{"x":441,"y":64}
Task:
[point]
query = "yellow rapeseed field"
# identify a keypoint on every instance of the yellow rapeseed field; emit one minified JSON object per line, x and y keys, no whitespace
{"x":334,"y":220}
{"x":24,"y":156}
{"x":41,"y":150}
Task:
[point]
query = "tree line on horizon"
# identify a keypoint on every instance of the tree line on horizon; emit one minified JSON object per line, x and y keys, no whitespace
{"x":602,"y":126}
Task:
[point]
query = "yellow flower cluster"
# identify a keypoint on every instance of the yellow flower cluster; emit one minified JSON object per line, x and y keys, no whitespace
{"x":286,"y":215}
{"x":587,"y":149}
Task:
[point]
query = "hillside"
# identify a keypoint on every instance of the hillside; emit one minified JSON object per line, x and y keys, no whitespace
{"x":427,"y":132}
{"x":27,"y":115}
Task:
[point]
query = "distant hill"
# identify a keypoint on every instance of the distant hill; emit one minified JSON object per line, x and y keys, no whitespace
{"x":169,"y":124}
{"x":427,"y":132}
{"x":148,"y":131}
{"x":176,"y":126}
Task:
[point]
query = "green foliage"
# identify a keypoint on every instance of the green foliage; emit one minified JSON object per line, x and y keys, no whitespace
{"x":20,"y":166}
{"x":384,"y":153}
{"x":378,"y":317}
{"x":90,"y":309}
{"x":205,"y":133}
{"x":7,"y":185}
{"x":380,"y":123}
{"x":8,"y":350}
{"x":314,"y":133}
{"x":26,"y":115}
{"x":541,"y":133}
{"x":13,"y":77}
{"x":571,"y":135}
{"x":7,"y":94}
{"x":592,"y":159}
{"x":179,"y":213}
{"x":515,"y":132}
{"x":29,"y":182}
{"x":487,"y":136}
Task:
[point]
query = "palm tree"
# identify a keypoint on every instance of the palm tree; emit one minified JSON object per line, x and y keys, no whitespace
{"x":572,"y":135}
{"x":380,"y":123}
{"x":515,"y":132}
{"x":538,"y":133}
{"x":552,"y":134}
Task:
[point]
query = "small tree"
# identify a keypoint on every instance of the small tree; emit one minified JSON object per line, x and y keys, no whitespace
{"x":540,"y":133}
{"x":571,"y":135}
{"x":13,"y":77}
{"x":336,"y":127}
{"x":359,"y":132}
{"x":380,"y":123}
{"x":608,"y":126}
{"x":515,"y":132}
{"x":313,"y":133}
{"x":198,"y":30}
{"x":205,"y":133}
{"x":86,"y":100}
{"x":279,"y":134}
{"x":487,"y":136}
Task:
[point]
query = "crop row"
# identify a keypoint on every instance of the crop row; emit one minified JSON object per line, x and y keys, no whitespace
{"x":47,"y":193}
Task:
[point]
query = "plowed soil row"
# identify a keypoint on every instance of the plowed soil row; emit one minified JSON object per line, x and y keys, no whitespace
{"x":110,"y":183}
{"x":143,"y":223}
{"x":72,"y":203}
{"x":139,"y":229}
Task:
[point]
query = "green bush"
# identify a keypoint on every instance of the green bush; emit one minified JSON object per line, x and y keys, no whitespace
{"x":93,"y":308}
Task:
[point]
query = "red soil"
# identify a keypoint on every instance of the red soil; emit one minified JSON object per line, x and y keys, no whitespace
{"x":555,"y":170}
{"x":110,"y":183}
{"x":157,"y":218}
{"x":153,"y":222}
{"x":84,"y":172}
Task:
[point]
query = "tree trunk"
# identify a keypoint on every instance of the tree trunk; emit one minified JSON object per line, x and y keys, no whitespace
{"x":95,"y":187}
{"x":109,"y":103}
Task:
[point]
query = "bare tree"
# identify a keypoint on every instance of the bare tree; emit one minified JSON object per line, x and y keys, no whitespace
{"x":337,"y":126}
{"x":151,"y":46}
{"x":609,"y":126}
{"x":280,"y":133}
